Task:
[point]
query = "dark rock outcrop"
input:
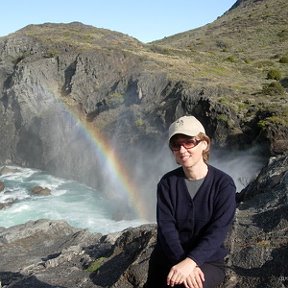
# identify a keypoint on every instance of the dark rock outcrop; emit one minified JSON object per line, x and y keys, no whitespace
{"x":53,"y":254}
{"x":7,"y":170}
{"x":40,"y":191}
{"x":2,"y":186}
{"x":259,"y":241}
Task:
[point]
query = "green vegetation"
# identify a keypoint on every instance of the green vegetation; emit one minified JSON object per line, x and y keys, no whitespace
{"x":272,"y":120}
{"x":284,"y":59}
{"x":274,"y":74}
{"x":51,"y":53}
{"x":222,"y":118}
{"x":273,"y":88}
{"x":115,"y":99}
{"x":139,"y":123}
{"x":95,"y":265}
{"x":283,"y":34}
{"x":231,"y":58}
{"x":160,"y":50}
{"x":78,"y":37}
{"x":263,"y":63}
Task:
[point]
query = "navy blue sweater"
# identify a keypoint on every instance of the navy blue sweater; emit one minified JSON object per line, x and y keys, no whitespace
{"x":194,"y":228}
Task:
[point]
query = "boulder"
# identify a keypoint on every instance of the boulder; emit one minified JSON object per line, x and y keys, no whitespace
{"x":7,"y":170}
{"x":2,"y":186}
{"x":40,"y":191}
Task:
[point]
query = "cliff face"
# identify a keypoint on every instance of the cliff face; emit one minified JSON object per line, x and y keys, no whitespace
{"x":47,"y":100}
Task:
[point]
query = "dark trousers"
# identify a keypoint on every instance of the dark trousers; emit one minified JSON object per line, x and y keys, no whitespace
{"x":214,"y":273}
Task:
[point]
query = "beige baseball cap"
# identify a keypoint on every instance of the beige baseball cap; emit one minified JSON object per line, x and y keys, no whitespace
{"x":187,"y":125}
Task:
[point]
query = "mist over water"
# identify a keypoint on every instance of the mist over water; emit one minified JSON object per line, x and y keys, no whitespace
{"x":103,"y":204}
{"x":86,"y":207}
{"x":243,"y":166}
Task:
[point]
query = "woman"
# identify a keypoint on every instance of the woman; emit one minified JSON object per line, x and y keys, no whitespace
{"x":195,"y":209}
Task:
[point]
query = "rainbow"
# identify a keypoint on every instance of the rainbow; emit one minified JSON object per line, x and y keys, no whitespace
{"x":112,"y":161}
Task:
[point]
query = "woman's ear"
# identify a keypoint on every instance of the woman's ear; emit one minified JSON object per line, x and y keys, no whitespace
{"x":205,"y":145}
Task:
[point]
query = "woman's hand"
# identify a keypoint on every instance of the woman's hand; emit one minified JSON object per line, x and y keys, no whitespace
{"x":187,"y":273}
{"x":195,"y":279}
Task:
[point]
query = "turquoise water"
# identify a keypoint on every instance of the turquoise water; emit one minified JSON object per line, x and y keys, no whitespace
{"x":81,"y":206}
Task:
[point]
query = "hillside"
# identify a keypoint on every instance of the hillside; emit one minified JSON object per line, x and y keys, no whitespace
{"x":238,"y":50}
{"x":77,"y":35}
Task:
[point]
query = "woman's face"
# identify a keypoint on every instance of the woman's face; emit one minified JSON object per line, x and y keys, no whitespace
{"x":187,"y":150}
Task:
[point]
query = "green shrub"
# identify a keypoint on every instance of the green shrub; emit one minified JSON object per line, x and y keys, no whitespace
{"x":284,"y":59}
{"x":274,"y":88}
{"x":231,"y":59}
{"x":139,"y":123}
{"x":264,"y":123}
{"x":274,"y":74}
{"x":222,"y":45}
{"x":51,"y":54}
{"x":264,"y":63}
{"x":115,"y":99}
{"x":95,"y":265}
{"x":283,"y":34}
{"x":247,"y":60}
{"x":160,"y":50}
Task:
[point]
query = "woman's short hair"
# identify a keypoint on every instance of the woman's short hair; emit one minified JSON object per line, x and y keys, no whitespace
{"x":206,"y":152}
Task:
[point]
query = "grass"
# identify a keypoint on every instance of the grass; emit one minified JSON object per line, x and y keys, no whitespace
{"x":78,"y":36}
{"x":95,"y":265}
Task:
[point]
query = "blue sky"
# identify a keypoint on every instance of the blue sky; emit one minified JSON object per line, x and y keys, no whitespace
{"x":146,"y":20}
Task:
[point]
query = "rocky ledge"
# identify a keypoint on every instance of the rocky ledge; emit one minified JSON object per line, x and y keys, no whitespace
{"x":53,"y":254}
